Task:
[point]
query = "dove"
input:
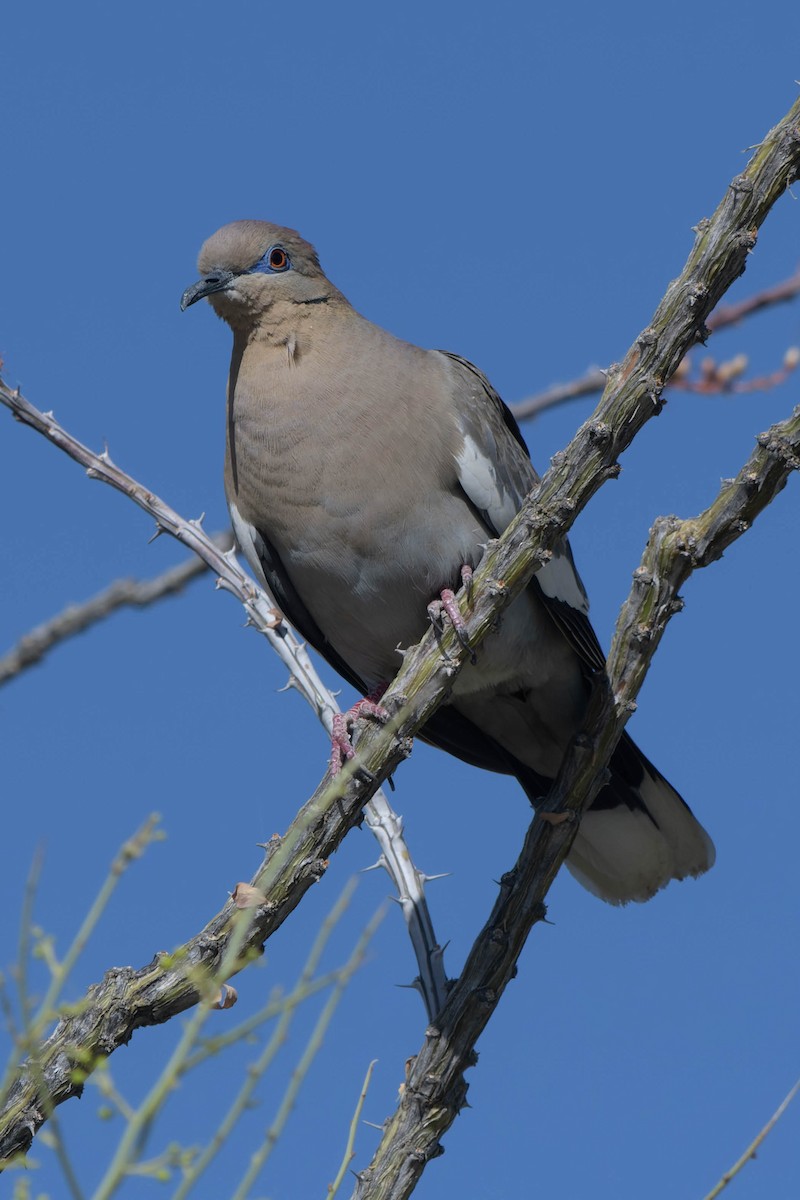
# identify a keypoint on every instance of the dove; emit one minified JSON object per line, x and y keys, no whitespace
{"x":364,"y":477}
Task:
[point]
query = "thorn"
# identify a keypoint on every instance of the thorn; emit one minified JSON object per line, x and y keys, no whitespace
{"x":414,"y":986}
{"x":372,"y":1125}
{"x":375,"y":867}
{"x":159,"y":530}
{"x":431,"y":878}
{"x":197,"y":522}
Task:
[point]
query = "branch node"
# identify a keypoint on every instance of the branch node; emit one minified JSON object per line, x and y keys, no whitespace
{"x":404,"y":746}
{"x":599,"y":433}
{"x":698,"y":292}
{"x":496,"y":587}
{"x":741,"y":184}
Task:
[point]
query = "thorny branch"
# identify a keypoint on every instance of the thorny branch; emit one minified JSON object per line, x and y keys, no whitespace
{"x":435,"y":1088}
{"x":632,"y":396}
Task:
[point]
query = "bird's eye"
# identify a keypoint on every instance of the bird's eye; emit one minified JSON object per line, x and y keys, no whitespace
{"x":278,"y":259}
{"x":272,"y":262}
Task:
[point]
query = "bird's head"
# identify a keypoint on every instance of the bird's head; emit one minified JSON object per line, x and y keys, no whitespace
{"x":250,"y":267}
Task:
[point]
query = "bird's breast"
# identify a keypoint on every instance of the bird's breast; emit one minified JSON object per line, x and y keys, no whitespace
{"x":362,"y":511}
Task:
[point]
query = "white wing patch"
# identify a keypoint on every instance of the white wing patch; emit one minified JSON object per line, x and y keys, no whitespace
{"x":478,"y":478}
{"x":558,"y":580}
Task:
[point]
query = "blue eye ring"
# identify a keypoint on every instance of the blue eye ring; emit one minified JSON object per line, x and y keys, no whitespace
{"x":277,"y":259}
{"x":274,"y":262}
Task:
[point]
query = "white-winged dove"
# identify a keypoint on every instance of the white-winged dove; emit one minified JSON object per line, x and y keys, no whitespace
{"x":362,"y":473}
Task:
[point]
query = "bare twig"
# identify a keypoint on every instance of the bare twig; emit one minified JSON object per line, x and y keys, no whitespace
{"x":595,"y":378}
{"x":750,"y":1152}
{"x":349,"y":1150}
{"x":779,"y":293}
{"x":271,"y":1135}
{"x":727,"y":378}
{"x":121,"y":593}
{"x":589,"y":384}
{"x":141,"y":1118}
{"x":35,"y":1024}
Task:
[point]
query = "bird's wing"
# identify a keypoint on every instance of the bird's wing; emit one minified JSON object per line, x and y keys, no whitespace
{"x":260,"y":553}
{"x":496,"y":474}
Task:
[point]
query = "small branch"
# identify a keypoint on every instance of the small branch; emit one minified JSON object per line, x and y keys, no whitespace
{"x":727,"y":378}
{"x":176,"y":1068}
{"x":732,"y":314}
{"x":349,"y":1150}
{"x":589,"y":384}
{"x":750,"y":1152}
{"x":595,"y":378}
{"x":123,"y":593}
{"x":313,"y":1045}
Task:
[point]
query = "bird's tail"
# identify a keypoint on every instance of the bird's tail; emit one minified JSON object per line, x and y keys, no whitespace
{"x":638,"y":834}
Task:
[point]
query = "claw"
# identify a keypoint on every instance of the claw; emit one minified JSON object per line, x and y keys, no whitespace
{"x":450,"y":606}
{"x":341,"y":746}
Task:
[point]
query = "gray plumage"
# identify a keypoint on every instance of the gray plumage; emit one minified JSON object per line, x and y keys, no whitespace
{"x":361,"y":473}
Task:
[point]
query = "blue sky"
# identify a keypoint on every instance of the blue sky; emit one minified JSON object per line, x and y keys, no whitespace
{"x":518,"y":186}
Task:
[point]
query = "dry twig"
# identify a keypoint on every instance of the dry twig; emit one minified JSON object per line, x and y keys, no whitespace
{"x":595,"y":378}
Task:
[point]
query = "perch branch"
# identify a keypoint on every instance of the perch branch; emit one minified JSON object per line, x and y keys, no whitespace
{"x":435,"y":1089}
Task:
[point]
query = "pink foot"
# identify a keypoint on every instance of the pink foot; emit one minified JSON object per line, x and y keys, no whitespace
{"x":449,"y":605}
{"x":341,"y":746}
